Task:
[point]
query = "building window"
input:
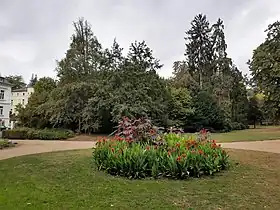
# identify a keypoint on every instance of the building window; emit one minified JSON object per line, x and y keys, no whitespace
{"x":23,"y":101}
{"x":2,"y":93}
{"x":1,"y":110}
{"x":12,"y":102}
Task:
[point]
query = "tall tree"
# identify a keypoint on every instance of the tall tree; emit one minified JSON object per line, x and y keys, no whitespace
{"x":83,"y":58}
{"x":33,"y":80}
{"x":265,"y":67}
{"x":16,"y":81}
{"x":199,"y":51}
{"x":255,"y":113}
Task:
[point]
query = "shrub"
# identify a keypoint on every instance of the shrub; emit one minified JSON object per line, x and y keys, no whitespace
{"x":44,"y":134}
{"x":6,"y":144}
{"x":179,"y":158}
{"x":139,"y":130}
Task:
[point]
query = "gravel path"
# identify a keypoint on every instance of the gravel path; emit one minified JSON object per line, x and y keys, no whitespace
{"x":26,"y":147}
{"x":265,"y":146}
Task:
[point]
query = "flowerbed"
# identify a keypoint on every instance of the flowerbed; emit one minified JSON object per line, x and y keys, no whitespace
{"x":177,"y":157}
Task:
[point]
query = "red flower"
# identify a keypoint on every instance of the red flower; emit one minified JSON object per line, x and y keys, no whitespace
{"x":219,"y":145}
{"x":148,"y":148}
{"x":200,"y":152}
{"x":178,"y":158}
{"x":214,"y":141}
{"x":152,"y":131}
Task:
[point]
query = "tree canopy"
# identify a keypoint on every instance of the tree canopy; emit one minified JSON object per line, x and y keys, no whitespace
{"x":98,"y":86}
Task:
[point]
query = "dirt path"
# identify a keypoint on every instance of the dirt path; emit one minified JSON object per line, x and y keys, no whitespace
{"x":265,"y":146}
{"x":26,"y":147}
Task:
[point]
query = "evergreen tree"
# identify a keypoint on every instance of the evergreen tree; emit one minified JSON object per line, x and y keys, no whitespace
{"x":199,"y":53}
{"x":33,"y":80}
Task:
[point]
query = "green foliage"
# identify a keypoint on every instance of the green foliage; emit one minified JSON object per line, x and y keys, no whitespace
{"x":180,"y":160}
{"x":265,"y":70}
{"x":34,"y":114}
{"x":207,"y":67}
{"x":180,"y":107}
{"x":207,"y":112}
{"x":5,"y":144}
{"x":16,"y":81}
{"x":43,"y":134}
{"x":97,"y":86}
{"x":255,"y":113}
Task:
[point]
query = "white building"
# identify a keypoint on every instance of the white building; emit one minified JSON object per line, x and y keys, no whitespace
{"x":5,"y":102}
{"x":21,"y":96}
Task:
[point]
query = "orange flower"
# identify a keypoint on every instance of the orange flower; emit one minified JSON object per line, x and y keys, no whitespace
{"x":177,"y":144}
{"x":113,"y":150}
{"x":200,"y":152}
{"x":178,"y":158}
{"x":148,"y":148}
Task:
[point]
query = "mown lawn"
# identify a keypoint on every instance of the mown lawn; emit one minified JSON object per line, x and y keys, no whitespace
{"x":258,"y":134}
{"x":67,"y":180}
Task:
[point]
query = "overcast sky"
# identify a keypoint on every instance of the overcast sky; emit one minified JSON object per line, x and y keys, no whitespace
{"x":34,"y":33}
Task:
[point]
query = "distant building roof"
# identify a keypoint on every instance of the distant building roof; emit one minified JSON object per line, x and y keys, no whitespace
{"x":4,"y":81}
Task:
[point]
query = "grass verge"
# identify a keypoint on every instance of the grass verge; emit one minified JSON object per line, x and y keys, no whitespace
{"x":67,"y":180}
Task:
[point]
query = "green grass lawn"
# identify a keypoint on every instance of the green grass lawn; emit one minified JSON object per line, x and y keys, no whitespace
{"x":67,"y":180}
{"x":258,"y":134}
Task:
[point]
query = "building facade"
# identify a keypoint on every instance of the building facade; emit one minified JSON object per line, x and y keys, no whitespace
{"x":5,"y":102}
{"x":20,"y":96}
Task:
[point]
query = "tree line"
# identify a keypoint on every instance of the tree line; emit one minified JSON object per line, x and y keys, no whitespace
{"x":97,"y":86}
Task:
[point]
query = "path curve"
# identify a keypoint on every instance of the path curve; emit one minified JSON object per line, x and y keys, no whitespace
{"x":264,"y":146}
{"x":27,"y":147}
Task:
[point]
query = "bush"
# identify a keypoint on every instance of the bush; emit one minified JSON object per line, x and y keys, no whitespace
{"x":44,"y":134}
{"x":5,"y":144}
{"x":179,"y":158}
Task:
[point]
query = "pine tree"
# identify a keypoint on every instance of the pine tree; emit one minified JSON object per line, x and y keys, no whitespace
{"x":199,"y":53}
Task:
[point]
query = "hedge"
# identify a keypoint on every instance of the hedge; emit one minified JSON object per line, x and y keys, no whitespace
{"x":43,"y":134}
